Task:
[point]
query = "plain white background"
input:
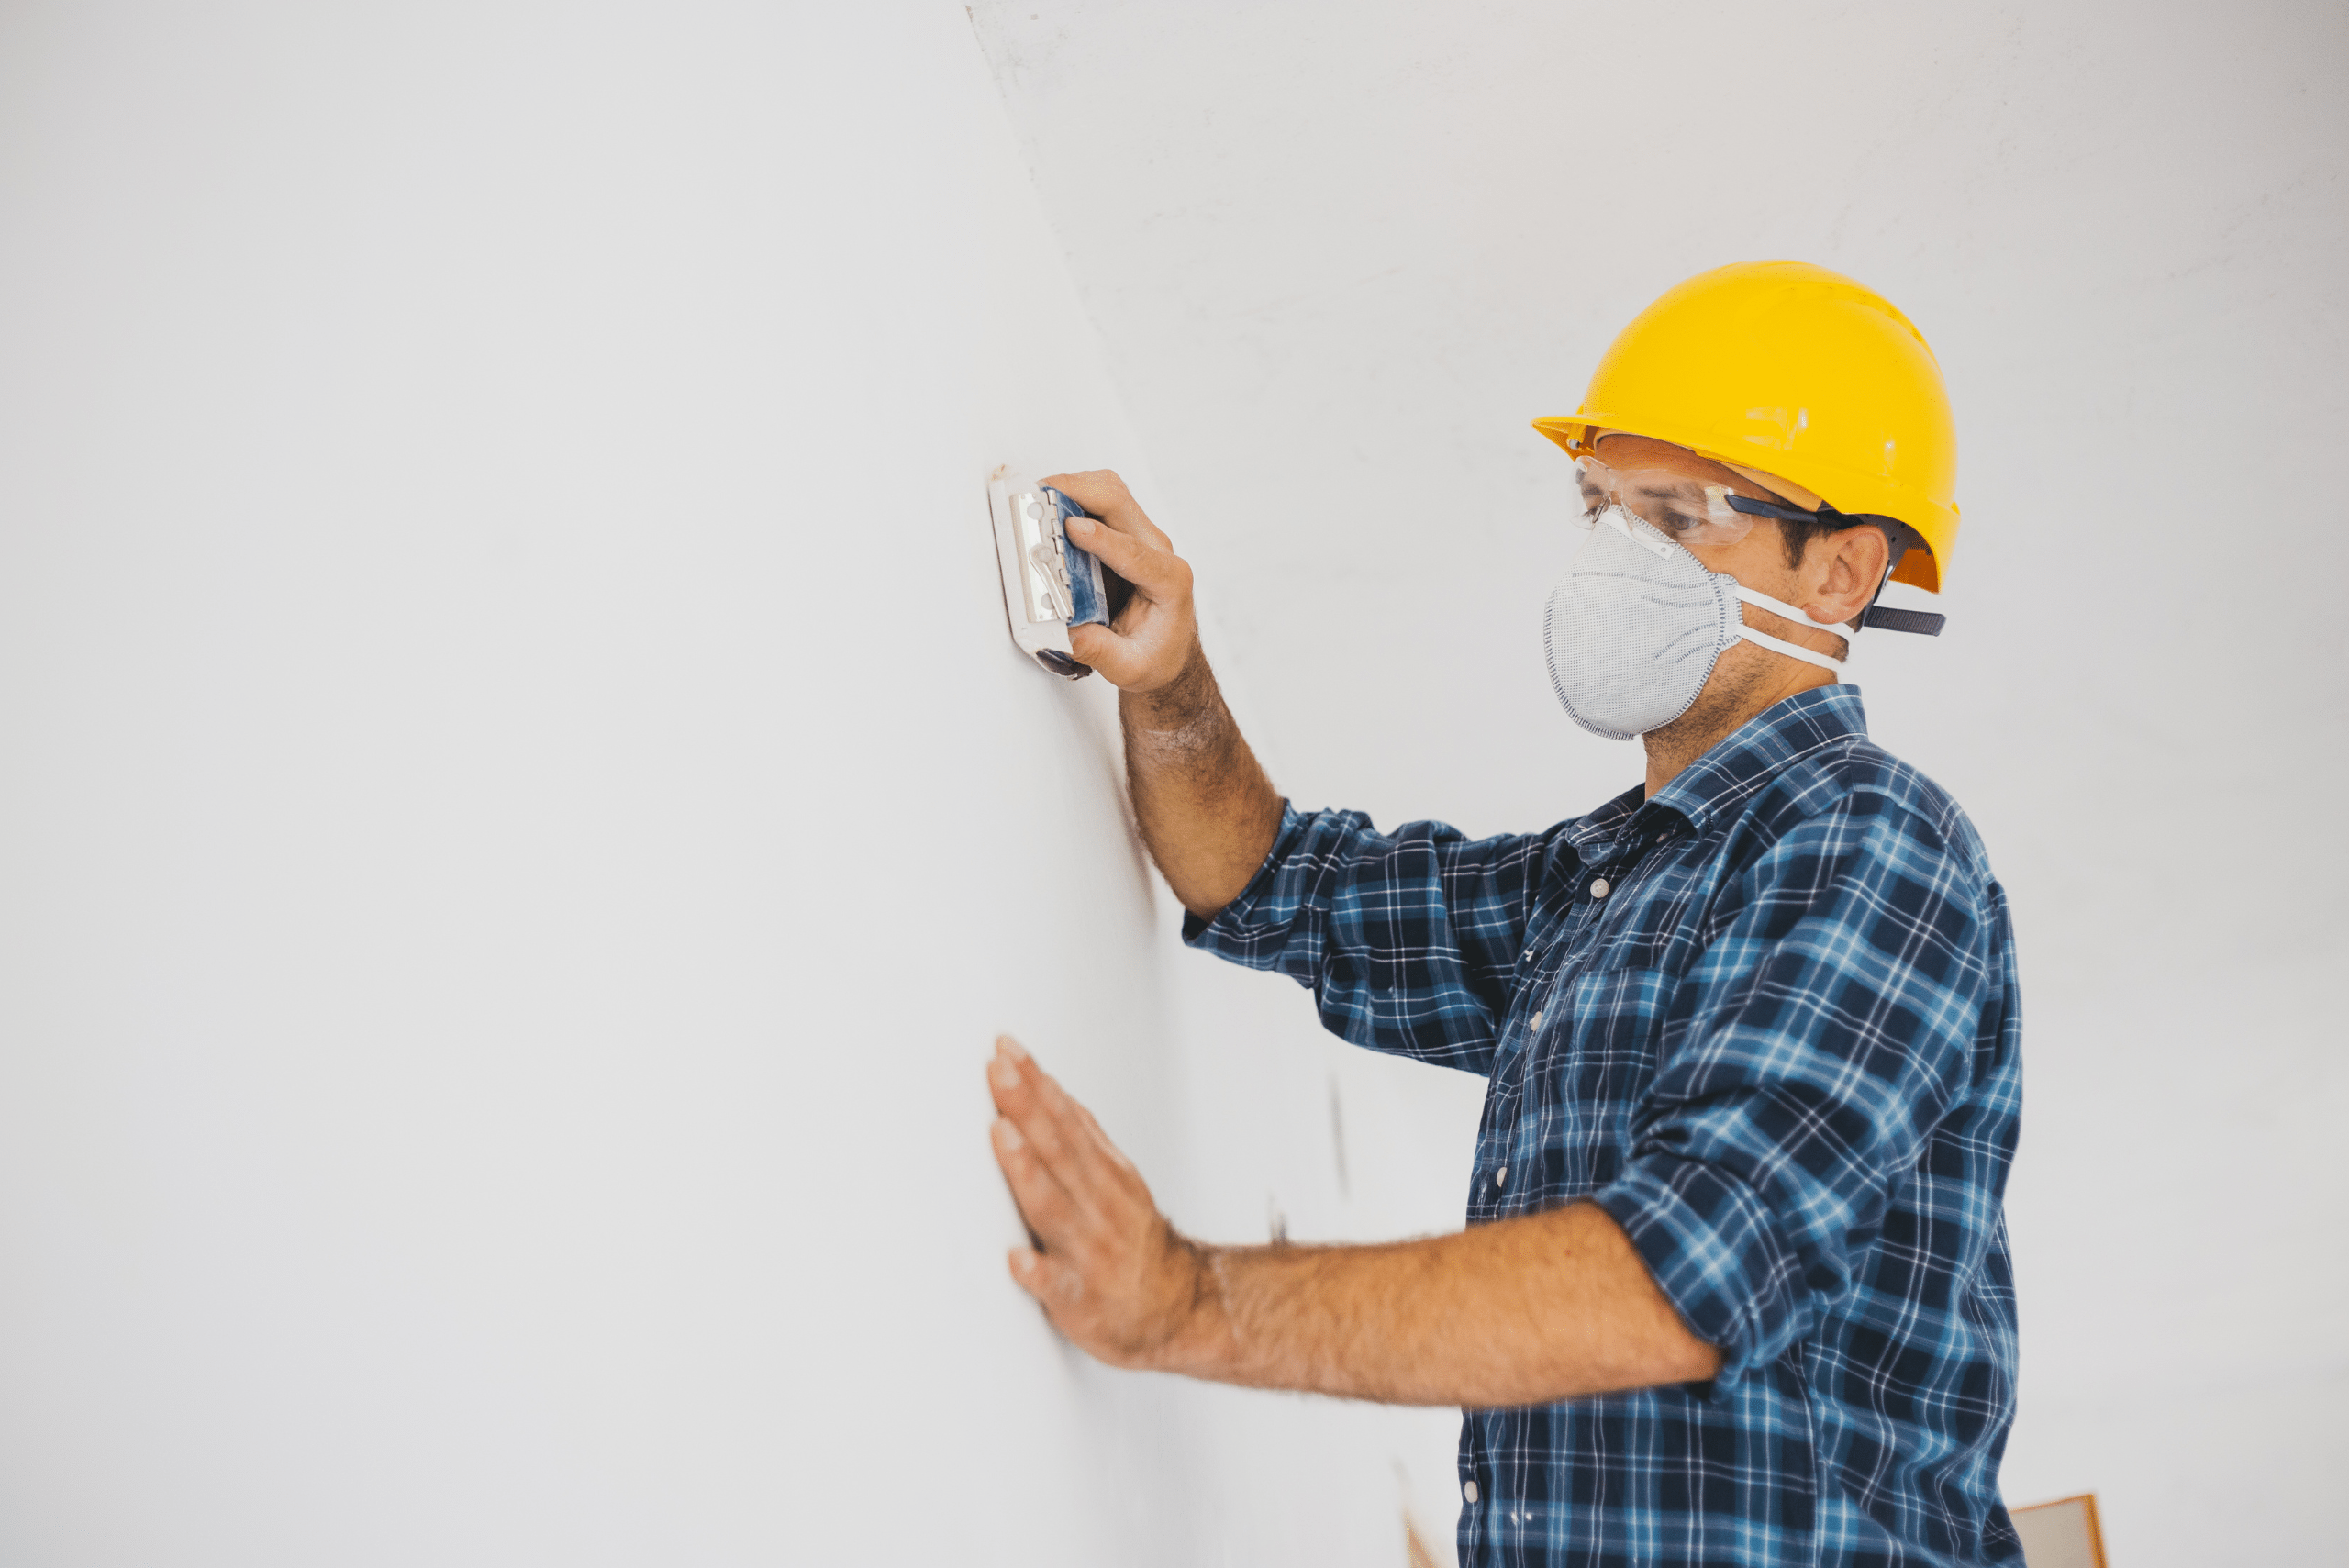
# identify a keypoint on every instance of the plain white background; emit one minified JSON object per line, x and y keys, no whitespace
{"x":519,"y":817}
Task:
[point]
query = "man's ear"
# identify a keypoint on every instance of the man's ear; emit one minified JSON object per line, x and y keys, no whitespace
{"x":1843,"y":571}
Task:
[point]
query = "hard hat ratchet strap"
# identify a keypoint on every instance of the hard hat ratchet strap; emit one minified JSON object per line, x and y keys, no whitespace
{"x":1924,"y":623}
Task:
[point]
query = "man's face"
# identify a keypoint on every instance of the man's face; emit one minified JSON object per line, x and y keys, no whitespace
{"x":1758,"y":559}
{"x":1834,"y":581}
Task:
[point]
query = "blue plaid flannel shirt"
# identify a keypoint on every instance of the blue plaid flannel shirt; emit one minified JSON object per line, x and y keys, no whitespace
{"x":1768,"y":1021}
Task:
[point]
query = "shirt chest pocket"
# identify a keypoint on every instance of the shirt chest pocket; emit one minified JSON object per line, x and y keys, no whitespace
{"x":1590,"y":1070}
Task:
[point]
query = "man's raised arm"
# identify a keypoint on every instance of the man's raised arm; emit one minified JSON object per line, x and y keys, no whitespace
{"x":1206,"y":810}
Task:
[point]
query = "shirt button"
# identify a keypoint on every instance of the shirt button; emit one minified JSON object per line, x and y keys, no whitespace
{"x":1468,"y":1490}
{"x":1599,"y":888}
{"x":1537,"y":1020}
{"x":1500,"y":1177}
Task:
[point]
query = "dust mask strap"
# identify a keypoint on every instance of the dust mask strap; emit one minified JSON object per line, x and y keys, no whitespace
{"x":1760,"y":600}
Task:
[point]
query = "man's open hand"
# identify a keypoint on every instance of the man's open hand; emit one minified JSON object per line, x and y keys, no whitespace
{"x":1151,"y":641}
{"x":1111,"y":1274}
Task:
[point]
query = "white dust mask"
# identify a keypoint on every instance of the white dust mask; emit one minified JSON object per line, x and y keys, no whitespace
{"x":1637,"y":623}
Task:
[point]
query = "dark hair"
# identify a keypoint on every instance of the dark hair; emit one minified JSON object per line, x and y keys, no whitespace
{"x":1797,"y":533}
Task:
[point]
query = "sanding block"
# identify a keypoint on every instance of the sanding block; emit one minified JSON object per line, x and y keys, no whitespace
{"x":1049,"y":583}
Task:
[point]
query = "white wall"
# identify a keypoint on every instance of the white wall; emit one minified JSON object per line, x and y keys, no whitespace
{"x":521,"y":817}
{"x":1341,"y":254}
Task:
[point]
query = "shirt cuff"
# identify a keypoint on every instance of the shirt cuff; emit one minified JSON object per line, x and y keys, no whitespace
{"x":1716,"y":1253}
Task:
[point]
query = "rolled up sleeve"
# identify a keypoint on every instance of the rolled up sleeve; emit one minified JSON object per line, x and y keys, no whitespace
{"x":1809,"y":1054}
{"x":1408,"y":940}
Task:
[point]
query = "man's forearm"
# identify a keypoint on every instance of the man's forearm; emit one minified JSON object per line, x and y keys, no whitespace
{"x":1523,"y":1311}
{"x":1206,"y":810}
{"x":1207,"y":813}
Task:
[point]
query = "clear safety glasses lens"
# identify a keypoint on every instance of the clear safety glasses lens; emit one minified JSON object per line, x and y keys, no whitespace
{"x":1686,"y":510}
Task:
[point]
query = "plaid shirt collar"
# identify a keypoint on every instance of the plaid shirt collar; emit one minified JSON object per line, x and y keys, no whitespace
{"x":1721,"y":781}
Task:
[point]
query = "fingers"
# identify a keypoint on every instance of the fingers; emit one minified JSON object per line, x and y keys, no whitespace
{"x":1105,"y":1265}
{"x":1155,"y":569}
{"x":1051,"y":1214}
{"x":1151,"y":641}
{"x":1051,"y":1129}
{"x":1100,"y":492}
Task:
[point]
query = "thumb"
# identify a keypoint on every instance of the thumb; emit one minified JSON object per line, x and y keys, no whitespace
{"x":1047,"y":1279}
{"x":1121,"y":663}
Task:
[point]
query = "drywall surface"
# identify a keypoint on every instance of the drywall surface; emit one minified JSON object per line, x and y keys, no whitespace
{"x":522,"y":816}
{"x":1340,"y":255}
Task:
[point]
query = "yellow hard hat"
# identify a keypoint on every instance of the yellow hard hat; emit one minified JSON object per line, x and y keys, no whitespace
{"x":1799,"y":372}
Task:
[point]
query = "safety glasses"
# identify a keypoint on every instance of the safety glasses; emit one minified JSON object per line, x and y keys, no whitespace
{"x":1691,"y":512}
{"x":1686,"y":510}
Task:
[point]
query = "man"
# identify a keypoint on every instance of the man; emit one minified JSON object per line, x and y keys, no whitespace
{"x":1734,"y":1287}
